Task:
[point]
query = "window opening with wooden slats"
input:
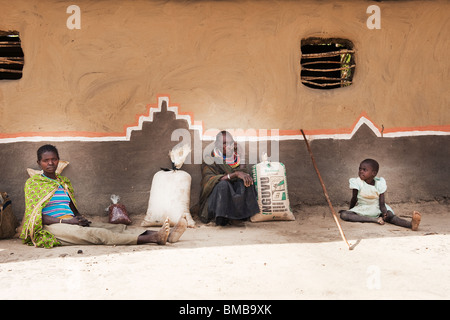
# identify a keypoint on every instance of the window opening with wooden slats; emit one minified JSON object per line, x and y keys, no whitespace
{"x":11,"y":56}
{"x":327,"y":63}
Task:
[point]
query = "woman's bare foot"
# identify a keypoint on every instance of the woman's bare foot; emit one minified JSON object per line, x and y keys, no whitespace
{"x":380,"y":221}
{"x":415,"y":220}
{"x":178,"y":230}
{"x":163,"y":232}
{"x":159,"y":237}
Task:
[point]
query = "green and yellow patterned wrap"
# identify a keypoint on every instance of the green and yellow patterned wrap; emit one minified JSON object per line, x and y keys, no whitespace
{"x":38,"y":192}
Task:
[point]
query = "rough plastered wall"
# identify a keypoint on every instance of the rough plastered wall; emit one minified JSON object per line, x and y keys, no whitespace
{"x":219,"y":58}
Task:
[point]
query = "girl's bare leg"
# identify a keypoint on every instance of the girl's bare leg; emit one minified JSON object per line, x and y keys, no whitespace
{"x":354,"y":217}
{"x":393,"y":219}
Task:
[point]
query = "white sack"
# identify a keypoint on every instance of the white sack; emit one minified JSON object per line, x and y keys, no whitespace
{"x":169,"y":198}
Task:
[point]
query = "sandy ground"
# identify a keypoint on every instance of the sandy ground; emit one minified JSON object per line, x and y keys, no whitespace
{"x":301,"y":259}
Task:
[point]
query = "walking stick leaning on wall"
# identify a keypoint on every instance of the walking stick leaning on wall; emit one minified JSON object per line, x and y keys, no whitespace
{"x":350,"y":247}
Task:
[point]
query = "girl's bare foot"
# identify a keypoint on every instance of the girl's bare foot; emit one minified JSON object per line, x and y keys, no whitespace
{"x":380,"y":221}
{"x":178,"y":230}
{"x":415,"y":220}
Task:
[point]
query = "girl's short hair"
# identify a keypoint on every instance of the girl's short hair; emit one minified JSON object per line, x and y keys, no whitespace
{"x":373,"y":163}
{"x":46,"y":148}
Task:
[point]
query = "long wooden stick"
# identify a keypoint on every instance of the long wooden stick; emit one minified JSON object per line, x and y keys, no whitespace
{"x":326,"y":194}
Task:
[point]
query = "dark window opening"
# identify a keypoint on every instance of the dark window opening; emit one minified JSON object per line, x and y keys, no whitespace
{"x":327,"y":63}
{"x":11,"y":56}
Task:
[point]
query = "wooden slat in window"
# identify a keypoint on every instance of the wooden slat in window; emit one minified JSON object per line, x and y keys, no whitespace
{"x":11,"y":56}
{"x":327,"y":63}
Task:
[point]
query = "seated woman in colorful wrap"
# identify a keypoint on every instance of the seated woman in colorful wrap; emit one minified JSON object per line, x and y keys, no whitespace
{"x":52,"y":218}
{"x":228,"y":193}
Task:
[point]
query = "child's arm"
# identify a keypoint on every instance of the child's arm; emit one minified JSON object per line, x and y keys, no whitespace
{"x":354,"y":198}
{"x":382,"y":205}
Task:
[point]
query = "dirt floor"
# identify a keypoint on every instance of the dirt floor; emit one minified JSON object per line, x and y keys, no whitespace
{"x":301,"y":259}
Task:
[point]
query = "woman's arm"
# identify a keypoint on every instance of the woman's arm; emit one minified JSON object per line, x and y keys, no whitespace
{"x":74,"y":209}
{"x":78,"y":219}
{"x":248,"y":180}
{"x":82,"y":221}
{"x":47,"y":220}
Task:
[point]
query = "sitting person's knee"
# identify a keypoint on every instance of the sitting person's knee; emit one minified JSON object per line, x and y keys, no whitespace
{"x":223,"y":183}
{"x":388,"y":217}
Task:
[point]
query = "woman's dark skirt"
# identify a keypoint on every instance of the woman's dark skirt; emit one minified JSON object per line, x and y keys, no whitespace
{"x":232,"y":201}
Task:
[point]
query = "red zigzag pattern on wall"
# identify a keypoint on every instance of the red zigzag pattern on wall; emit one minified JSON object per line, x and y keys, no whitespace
{"x":209,"y":135}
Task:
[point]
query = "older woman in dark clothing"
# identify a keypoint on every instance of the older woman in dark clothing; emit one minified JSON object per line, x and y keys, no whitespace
{"x":227,"y":192}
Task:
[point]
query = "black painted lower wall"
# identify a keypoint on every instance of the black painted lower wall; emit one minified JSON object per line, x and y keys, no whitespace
{"x":415,"y":168}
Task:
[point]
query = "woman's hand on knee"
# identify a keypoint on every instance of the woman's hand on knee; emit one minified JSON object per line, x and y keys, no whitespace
{"x":78,"y":220}
{"x":82,"y":221}
{"x":248,"y":181}
{"x":73,"y":220}
{"x":387,"y":216}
